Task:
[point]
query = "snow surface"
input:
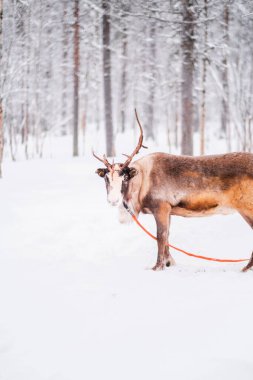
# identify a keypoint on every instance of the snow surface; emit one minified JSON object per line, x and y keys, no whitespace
{"x":79,"y":301}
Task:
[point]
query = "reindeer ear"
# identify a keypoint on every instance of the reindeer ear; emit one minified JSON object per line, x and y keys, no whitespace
{"x":132,"y":172}
{"x":101,"y":172}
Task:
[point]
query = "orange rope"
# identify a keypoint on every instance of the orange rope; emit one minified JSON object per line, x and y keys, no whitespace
{"x":183,"y":251}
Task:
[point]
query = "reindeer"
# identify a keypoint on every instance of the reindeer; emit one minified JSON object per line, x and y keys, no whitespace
{"x":163,"y":185}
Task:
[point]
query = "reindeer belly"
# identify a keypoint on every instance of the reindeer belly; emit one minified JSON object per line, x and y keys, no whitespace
{"x":201,"y":205}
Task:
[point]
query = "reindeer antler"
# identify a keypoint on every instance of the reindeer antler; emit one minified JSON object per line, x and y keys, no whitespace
{"x":104,"y":160}
{"x":138,"y":147}
{"x":129,"y":157}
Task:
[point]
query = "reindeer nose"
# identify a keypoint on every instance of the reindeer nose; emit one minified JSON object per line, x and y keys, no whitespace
{"x":113,"y":202}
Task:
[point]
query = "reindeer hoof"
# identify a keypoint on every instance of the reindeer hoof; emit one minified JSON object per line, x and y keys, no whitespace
{"x":249,"y":265}
{"x":170,"y":262}
{"x":158,"y":267}
{"x":245,"y":269}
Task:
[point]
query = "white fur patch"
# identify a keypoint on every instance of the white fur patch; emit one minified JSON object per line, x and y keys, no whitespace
{"x":114,"y":192}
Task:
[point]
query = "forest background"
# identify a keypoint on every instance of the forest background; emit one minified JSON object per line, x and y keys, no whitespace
{"x":79,"y":68}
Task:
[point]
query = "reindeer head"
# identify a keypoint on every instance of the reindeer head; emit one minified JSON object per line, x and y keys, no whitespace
{"x":117,"y":176}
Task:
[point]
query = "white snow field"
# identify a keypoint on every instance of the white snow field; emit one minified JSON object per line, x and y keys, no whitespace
{"x":78,"y":300}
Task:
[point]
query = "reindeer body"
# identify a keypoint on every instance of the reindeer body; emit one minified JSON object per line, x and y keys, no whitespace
{"x":163,"y":185}
{"x":194,"y":186}
{"x":190,"y":186}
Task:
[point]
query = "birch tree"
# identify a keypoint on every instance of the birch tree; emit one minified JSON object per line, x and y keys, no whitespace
{"x":151,"y":74}
{"x":187,"y":46}
{"x":224,"y":76}
{"x":76,"y":79}
{"x":107,"y":78}
{"x":124,"y":64}
{"x":202,"y":126}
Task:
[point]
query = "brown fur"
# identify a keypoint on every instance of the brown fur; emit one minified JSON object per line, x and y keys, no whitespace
{"x":191,"y":186}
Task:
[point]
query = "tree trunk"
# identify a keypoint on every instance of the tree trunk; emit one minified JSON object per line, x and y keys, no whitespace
{"x":37,"y":70}
{"x":187,"y":45}
{"x":107,"y":79}
{"x":64,"y":68}
{"x":224,"y":78}
{"x":203,"y":91}
{"x":76,"y":78}
{"x":27,"y":83}
{"x":124,"y":71}
{"x":152,"y":69}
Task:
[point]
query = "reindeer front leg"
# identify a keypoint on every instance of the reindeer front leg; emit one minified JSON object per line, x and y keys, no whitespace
{"x":162,"y":217}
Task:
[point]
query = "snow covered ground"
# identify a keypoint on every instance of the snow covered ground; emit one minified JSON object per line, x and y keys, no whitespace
{"x":78,"y":299}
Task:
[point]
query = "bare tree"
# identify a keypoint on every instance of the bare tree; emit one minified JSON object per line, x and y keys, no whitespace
{"x":76,"y":78}
{"x":152,"y":75}
{"x":224,"y":77}
{"x":187,"y":46}
{"x":123,"y":95}
{"x":64,"y":67}
{"x":203,"y":80}
{"x":107,"y":78}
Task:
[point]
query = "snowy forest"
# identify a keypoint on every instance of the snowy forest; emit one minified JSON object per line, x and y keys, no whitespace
{"x":79,"y":68}
{"x":78,"y":296}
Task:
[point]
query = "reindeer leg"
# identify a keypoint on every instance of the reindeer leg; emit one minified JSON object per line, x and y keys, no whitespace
{"x":249,"y":220}
{"x":161,"y":215}
{"x":168,"y":258}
